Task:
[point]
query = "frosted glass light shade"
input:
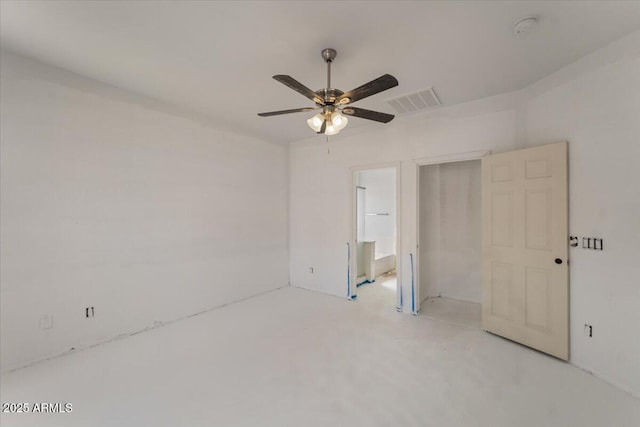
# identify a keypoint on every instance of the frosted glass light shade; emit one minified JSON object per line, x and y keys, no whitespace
{"x":335,"y":123}
{"x":315,"y":122}
{"x":331,"y":130}
{"x":339,"y":121}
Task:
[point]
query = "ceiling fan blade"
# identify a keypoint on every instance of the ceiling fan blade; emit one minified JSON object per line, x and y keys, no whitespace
{"x":299,"y":87}
{"x":295,"y":110}
{"x":368,"y":114}
{"x":378,"y":85}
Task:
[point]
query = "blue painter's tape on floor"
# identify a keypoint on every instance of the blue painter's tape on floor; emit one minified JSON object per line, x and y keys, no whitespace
{"x":364,"y":282}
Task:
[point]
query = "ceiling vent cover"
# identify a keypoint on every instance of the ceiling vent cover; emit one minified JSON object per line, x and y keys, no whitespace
{"x":422,"y":100}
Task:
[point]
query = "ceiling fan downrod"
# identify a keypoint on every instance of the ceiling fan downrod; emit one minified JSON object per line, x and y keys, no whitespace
{"x":328,"y":55}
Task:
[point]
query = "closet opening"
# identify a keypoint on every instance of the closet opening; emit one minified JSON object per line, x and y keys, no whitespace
{"x":450,"y":242}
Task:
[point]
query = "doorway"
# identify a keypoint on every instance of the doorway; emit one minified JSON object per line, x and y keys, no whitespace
{"x":450,"y":242}
{"x":523,"y":212}
{"x":376,"y":236}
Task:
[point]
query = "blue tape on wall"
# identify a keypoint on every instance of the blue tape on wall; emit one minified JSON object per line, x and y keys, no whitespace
{"x":399,"y":308}
{"x":348,"y":270}
{"x":413,"y":295}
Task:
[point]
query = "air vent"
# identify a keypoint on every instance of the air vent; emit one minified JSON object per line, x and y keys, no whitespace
{"x":422,"y":100}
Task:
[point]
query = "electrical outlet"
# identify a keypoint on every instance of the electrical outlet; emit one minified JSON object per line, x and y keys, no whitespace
{"x":89,"y":312}
{"x":588,"y":330}
{"x":46,"y":322}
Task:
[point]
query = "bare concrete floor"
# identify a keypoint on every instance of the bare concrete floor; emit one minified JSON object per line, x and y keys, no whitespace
{"x":297,"y":358}
{"x":462,"y":313}
{"x":380,"y":294}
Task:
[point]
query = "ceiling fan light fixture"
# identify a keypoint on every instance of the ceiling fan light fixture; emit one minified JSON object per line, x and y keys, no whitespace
{"x":315,"y":122}
{"x":331,"y":129}
{"x":339,"y":121}
{"x":331,"y":120}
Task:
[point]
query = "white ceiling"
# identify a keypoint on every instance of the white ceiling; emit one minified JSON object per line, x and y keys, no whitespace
{"x":217,"y":58}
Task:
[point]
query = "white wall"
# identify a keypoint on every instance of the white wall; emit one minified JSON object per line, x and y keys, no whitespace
{"x":429,"y":226}
{"x":109,"y":202}
{"x":320,"y":183}
{"x":450,"y":231}
{"x":594,"y":104}
{"x":380,"y":197}
{"x":599,"y":114}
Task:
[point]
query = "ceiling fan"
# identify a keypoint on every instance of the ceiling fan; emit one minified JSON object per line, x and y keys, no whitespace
{"x":334,"y":103}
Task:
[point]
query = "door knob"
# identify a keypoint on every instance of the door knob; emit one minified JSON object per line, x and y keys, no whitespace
{"x":558,"y":261}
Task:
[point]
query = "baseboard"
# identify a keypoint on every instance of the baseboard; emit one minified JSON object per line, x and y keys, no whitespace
{"x":155,"y":325}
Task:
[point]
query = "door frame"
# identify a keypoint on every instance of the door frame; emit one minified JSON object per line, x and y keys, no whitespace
{"x":352,"y":197}
{"x":435,"y":160}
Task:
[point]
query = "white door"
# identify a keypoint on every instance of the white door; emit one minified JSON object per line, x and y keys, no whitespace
{"x":525,"y":239}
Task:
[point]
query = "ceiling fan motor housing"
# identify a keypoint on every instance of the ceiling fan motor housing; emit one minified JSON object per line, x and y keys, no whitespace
{"x":329,"y":95}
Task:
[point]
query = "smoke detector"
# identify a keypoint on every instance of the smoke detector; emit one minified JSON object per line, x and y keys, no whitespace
{"x":524,"y":25}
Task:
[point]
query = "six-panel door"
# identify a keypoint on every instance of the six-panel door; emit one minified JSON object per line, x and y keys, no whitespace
{"x":525,"y":232}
